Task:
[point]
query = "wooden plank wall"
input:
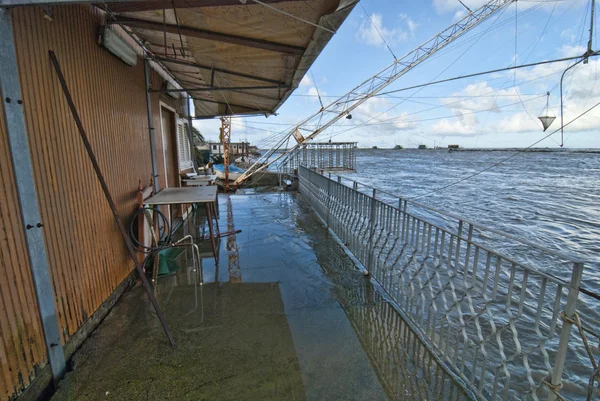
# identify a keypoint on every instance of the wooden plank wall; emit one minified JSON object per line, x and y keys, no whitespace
{"x":86,"y":252}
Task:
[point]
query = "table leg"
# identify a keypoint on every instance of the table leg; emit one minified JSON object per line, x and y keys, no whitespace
{"x":210,"y":230}
{"x":214,"y":206}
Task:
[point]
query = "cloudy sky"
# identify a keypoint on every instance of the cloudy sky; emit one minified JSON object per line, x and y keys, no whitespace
{"x":494,"y":110}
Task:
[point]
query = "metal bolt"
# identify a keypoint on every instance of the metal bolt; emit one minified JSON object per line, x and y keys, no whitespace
{"x":20,"y":101}
{"x":7,"y":100}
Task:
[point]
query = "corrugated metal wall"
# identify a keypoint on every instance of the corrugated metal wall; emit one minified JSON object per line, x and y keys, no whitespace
{"x":86,"y":252}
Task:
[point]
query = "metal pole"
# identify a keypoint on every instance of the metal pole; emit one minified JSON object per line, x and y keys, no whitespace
{"x":565,"y":332}
{"x":20,"y":157}
{"x":108,"y":196}
{"x":372,"y":229}
{"x":589,"y":49}
{"x":150,"y":124}
{"x":189,"y":133}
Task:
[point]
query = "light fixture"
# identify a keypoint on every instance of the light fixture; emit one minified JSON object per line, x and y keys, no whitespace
{"x":111,"y":40}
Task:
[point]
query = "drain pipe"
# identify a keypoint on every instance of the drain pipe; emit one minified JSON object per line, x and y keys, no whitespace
{"x":189,"y":133}
{"x":150,"y":123}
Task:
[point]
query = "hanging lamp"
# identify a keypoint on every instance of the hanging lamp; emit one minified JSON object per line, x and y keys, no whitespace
{"x":547,"y":116}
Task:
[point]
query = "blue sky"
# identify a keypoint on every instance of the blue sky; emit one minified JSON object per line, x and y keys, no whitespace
{"x":495,"y":110}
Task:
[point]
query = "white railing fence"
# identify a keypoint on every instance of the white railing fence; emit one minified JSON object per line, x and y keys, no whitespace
{"x":503,"y":326}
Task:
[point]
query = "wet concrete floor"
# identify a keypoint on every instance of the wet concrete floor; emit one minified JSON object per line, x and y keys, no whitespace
{"x":284,"y":315}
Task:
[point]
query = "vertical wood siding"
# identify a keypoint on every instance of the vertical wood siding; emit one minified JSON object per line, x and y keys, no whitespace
{"x":86,"y":253}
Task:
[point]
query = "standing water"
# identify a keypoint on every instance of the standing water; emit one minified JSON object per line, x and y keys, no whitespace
{"x":550,"y":198}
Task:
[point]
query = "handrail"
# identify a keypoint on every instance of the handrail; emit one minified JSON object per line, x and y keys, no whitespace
{"x":479,"y":226}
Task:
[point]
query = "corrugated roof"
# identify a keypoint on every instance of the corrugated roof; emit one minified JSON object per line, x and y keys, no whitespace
{"x":234,"y":58}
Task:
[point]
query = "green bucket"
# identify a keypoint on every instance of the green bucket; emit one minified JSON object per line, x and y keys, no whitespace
{"x":166,"y":261}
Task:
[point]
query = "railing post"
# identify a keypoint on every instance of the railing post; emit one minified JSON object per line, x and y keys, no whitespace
{"x":372,"y":230}
{"x":328,"y":197}
{"x":565,"y":333}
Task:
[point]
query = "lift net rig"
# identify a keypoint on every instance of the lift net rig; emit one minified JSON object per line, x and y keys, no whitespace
{"x":226,"y":144}
{"x":330,"y":114}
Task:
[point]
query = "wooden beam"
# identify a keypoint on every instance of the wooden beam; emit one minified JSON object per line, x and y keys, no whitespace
{"x":231,"y":105}
{"x":220,"y":70}
{"x":168,"y":4}
{"x":219,"y":89}
{"x":209,"y":35}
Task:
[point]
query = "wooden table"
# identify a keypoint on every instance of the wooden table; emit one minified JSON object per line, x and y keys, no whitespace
{"x":190,"y":195}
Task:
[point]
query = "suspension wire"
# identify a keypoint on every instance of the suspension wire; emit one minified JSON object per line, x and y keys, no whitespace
{"x":485,"y":72}
{"x":468,"y":76}
{"x":503,"y":160}
{"x":516,"y":38}
{"x":275,"y":133}
{"x":535,"y":96}
{"x":317,"y":88}
{"x":377,"y":29}
{"x":293,"y":16}
{"x":465,"y":6}
{"x":440,"y":73}
{"x":164,"y":15}
{"x":178,"y":30}
{"x":535,"y":121}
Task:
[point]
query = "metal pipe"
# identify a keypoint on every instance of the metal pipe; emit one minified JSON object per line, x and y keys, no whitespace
{"x":189,"y":133}
{"x":150,"y":123}
{"x":589,"y":49}
{"x":561,"y":99}
{"x":20,"y":157}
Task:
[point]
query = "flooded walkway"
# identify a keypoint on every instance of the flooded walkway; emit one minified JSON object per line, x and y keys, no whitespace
{"x":284,"y":316}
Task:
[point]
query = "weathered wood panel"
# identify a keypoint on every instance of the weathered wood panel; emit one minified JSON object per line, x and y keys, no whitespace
{"x":86,"y":252}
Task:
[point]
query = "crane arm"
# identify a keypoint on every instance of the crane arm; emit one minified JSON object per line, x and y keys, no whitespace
{"x":329,"y":115}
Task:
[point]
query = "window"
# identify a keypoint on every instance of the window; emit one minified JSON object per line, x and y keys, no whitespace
{"x":214,"y":147}
{"x":185,"y":153}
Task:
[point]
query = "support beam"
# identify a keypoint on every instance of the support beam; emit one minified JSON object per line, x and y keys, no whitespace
{"x":217,"y":89}
{"x":14,"y":3}
{"x":208,"y":35}
{"x":33,"y":227}
{"x":213,"y":69}
{"x":228,"y":104}
{"x":162,"y":4}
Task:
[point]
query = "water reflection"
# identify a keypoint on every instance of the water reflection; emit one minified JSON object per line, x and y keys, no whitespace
{"x":404,"y":366}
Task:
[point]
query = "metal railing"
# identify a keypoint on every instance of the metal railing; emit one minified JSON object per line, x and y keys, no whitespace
{"x":331,"y":156}
{"x":498,"y":321}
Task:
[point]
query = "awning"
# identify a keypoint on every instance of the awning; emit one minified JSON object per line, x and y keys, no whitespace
{"x":234,"y":57}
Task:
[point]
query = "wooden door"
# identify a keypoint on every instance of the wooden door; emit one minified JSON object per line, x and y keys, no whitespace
{"x":169,"y":148}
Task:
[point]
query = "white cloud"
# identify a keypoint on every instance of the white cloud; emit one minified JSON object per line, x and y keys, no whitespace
{"x":454,"y":6}
{"x":480,"y":97}
{"x":412,"y":25}
{"x":371,"y":32}
{"x":445,"y":6}
{"x":314,"y":93}
{"x":580,"y":94}
{"x":306,"y":80}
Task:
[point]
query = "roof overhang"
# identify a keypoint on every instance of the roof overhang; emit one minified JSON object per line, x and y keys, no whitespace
{"x":233,"y":57}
